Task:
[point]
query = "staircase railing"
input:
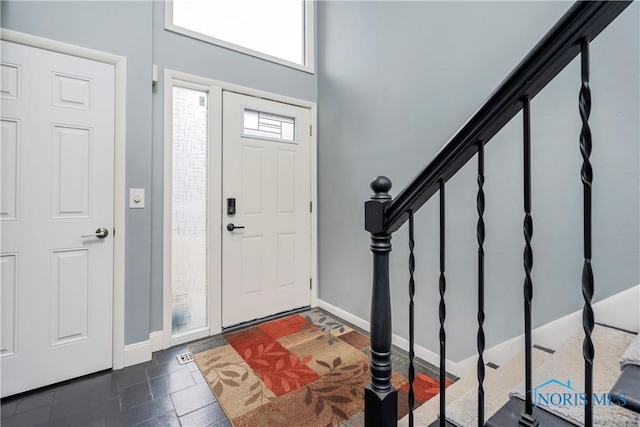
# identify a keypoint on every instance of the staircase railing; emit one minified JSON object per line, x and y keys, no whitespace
{"x":570,"y":36}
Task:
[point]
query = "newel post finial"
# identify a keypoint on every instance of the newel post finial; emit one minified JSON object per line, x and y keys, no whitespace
{"x":381,"y":186}
{"x":380,"y":397}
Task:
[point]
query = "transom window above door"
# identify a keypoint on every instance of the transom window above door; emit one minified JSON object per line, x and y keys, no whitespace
{"x":279,"y":31}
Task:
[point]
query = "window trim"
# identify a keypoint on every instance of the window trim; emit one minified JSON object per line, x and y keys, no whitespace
{"x":309,"y":38}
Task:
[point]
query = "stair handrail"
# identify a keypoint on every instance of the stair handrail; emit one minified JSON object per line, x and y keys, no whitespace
{"x":585,"y":19}
{"x":384,"y":215}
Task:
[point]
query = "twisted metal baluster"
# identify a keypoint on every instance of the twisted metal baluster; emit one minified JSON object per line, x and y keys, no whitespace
{"x":412,"y":290}
{"x":442,"y":311}
{"x":527,"y":418}
{"x":480,"y":235}
{"x":587,"y":272}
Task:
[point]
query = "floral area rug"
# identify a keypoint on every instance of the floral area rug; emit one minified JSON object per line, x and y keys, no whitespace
{"x":306,"y":369}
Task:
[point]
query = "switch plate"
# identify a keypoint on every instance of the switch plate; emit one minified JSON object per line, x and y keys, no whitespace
{"x":136,"y":198}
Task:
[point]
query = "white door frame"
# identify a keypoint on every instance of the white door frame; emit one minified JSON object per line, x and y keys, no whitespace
{"x":119,"y":208}
{"x":215,"y":88}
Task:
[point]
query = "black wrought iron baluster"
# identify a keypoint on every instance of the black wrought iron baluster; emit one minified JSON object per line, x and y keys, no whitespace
{"x":587,"y":272}
{"x":527,"y":418}
{"x":412,"y":291}
{"x":380,"y":397}
{"x":442,"y":311}
{"x":480,"y":236}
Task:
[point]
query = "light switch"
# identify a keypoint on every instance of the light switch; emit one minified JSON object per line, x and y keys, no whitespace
{"x":136,"y":198}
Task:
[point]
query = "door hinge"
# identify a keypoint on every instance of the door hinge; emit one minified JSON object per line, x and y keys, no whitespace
{"x":310,"y":130}
{"x":310,"y":283}
{"x":310,"y":206}
{"x":154,"y":75}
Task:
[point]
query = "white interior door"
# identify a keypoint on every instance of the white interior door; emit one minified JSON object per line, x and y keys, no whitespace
{"x":266,"y":169}
{"x":57,"y":159}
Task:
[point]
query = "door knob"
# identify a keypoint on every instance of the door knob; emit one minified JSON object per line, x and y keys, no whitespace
{"x":100,"y":233}
{"x":232,"y":227}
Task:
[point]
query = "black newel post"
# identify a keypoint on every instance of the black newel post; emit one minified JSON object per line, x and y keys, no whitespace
{"x":380,"y":398}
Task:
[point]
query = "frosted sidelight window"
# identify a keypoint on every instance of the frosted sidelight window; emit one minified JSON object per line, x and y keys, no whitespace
{"x":189,"y":210}
{"x":267,"y":125}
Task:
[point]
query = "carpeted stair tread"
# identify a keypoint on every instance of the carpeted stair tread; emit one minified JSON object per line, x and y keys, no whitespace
{"x":428,"y":412}
{"x":631,"y":356}
{"x":567,"y":364}
{"x":462,"y":396}
{"x":497,"y":384}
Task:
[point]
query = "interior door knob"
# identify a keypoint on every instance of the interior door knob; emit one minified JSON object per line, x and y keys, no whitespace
{"x":100,"y":233}
{"x":232,"y":227}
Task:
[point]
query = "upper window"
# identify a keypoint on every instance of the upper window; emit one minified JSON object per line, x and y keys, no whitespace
{"x":280,"y":31}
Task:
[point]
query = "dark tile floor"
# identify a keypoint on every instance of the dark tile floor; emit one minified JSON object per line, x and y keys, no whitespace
{"x":157,"y":393}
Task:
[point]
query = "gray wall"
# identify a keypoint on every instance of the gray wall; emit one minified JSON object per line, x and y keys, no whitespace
{"x":135,"y":30}
{"x":396,"y":80}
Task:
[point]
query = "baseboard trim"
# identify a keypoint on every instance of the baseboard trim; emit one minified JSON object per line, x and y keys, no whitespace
{"x":141,"y":351}
{"x":457,"y":369}
{"x":137,"y":353}
{"x":397,"y":340}
{"x":157,"y":340}
{"x":620,"y":311}
{"x":355,"y":320}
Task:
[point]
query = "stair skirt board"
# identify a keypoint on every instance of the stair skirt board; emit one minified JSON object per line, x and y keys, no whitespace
{"x":567,"y":365}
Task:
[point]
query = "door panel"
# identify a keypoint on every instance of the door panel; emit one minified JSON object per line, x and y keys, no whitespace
{"x":57,"y":186}
{"x":71,"y":158}
{"x":266,"y":168}
{"x":71,"y":92}
{"x":286,"y":182}
{"x":252,"y":180}
{"x":9,"y":277}
{"x":69,"y":287}
{"x":9,"y":162}
{"x":252,"y":255}
{"x":10,"y":81}
{"x":285,"y":254}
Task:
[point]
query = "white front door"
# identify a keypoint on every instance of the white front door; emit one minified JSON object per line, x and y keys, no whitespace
{"x":57,"y":160}
{"x":266,"y":169}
